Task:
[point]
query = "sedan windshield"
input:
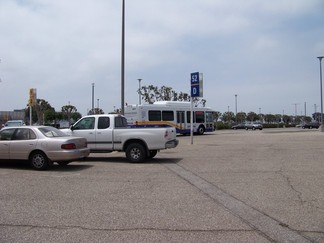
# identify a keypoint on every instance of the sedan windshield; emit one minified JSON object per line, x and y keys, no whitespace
{"x":51,"y":132}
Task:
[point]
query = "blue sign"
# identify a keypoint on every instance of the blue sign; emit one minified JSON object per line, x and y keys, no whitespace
{"x":195,"y":85}
{"x":195,"y":78}
{"x":195,"y":91}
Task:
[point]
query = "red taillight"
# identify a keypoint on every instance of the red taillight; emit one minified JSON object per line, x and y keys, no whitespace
{"x":166,"y":134}
{"x":68,"y":146}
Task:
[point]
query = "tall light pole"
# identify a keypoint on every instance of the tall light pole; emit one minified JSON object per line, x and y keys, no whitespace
{"x":139,"y":91}
{"x":92,"y":97}
{"x":236,"y":108}
{"x":0,"y":77}
{"x":123,"y":60}
{"x":322,"y":121}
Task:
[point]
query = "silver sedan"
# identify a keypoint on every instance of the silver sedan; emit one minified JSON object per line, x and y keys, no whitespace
{"x":41,"y":145}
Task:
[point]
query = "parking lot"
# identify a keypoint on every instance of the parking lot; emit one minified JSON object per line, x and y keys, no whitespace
{"x":229,"y":186}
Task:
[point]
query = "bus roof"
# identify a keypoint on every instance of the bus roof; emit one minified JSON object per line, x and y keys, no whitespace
{"x":172,"y":104}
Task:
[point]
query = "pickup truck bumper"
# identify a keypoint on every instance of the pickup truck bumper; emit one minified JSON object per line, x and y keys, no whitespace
{"x":172,"y":144}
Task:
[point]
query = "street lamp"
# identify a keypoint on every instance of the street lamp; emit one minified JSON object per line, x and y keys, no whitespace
{"x":139,"y":90}
{"x":123,"y":59}
{"x":92,"y":97}
{"x":322,"y":124}
{"x":236,"y":108}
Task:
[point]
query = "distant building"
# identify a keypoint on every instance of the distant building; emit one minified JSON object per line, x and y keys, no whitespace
{"x":11,"y":115}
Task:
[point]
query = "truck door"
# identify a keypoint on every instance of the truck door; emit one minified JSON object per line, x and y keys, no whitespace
{"x":104,"y":134}
{"x":85,"y":128}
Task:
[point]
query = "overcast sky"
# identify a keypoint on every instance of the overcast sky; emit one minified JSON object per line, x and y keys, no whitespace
{"x":263,"y":51}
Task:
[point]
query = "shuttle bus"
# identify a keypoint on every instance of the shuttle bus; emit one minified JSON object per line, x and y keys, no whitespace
{"x":170,"y":113}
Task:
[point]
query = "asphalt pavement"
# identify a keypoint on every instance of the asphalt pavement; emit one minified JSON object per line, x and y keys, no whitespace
{"x":228,"y":186}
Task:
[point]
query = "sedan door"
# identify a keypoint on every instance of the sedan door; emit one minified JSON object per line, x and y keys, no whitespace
{"x":23,"y":142}
{"x":5,"y":140}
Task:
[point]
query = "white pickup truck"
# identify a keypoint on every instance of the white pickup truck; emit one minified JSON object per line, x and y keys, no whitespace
{"x":109,"y":132}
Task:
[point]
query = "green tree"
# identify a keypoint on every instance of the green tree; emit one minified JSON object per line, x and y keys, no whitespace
{"x":69,"y":112}
{"x":76,"y":116}
{"x":40,"y":107}
{"x":217,"y":115}
{"x":278,"y":118}
{"x":286,"y":119}
{"x":252,"y":116}
{"x":270,"y":118}
{"x":317,"y":116}
{"x":228,"y":116}
{"x":98,"y":111}
{"x":241,"y":117}
{"x":50,"y":116}
{"x":152,"y":93}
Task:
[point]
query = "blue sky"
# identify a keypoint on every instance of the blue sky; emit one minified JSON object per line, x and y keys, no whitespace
{"x":263,"y":51}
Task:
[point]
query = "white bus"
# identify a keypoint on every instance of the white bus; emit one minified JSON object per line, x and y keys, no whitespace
{"x":170,"y":113}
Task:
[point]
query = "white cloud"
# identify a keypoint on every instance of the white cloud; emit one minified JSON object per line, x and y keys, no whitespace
{"x":61,"y":47}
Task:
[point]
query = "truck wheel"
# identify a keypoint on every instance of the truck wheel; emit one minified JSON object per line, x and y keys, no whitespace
{"x":152,"y":154}
{"x":39,"y":160}
{"x":135,"y":152}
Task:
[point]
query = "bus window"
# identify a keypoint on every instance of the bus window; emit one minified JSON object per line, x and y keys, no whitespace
{"x":189,"y":116}
{"x":209,"y":117}
{"x":154,"y":115}
{"x":167,"y":116}
{"x":200,"y":117}
{"x":180,"y":116}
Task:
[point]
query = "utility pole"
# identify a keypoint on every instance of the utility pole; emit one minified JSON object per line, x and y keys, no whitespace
{"x":92,"y":97}
{"x":123,"y":60}
{"x":139,"y":91}
{"x":321,"y":85}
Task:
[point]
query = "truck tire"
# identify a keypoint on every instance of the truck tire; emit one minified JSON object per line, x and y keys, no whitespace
{"x":135,"y":152}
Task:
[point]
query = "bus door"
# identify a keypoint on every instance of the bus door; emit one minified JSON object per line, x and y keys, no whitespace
{"x":181,"y":121}
{"x":188,"y":124}
{"x":209,"y":121}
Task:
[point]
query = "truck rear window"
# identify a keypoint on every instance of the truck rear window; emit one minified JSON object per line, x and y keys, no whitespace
{"x":120,"y":121}
{"x":103,"y":122}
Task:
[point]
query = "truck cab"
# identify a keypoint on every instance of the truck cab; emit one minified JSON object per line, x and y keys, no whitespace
{"x":110,"y":132}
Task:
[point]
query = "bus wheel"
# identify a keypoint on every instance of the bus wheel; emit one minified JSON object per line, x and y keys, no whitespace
{"x":201,"y":130}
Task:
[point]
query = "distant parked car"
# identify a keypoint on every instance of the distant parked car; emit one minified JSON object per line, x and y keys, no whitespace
{"x":253,"y":126}
{"x":14,"y":123}
{"x":239,"y":126}
{"x":311,"y":125}
{"x":248,"y":126}
{"x":41,"y":145}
